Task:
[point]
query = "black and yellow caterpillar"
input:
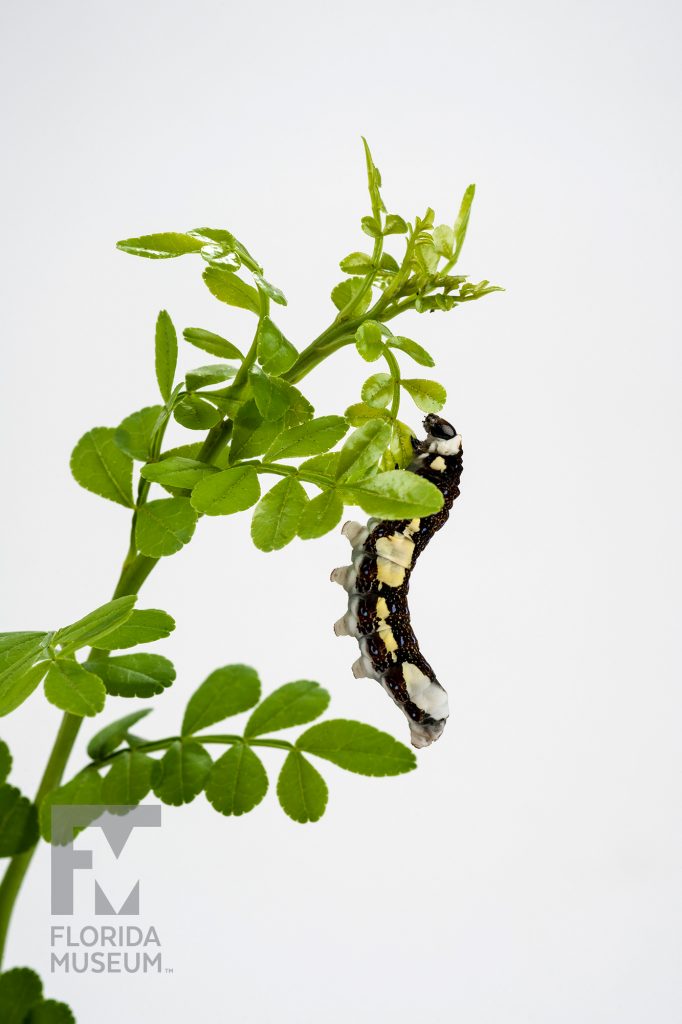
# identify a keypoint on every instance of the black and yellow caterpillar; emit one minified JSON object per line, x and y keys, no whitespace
{"x":384,"y":554}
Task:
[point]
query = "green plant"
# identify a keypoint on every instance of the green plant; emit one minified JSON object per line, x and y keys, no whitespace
{"x":252,"y":423}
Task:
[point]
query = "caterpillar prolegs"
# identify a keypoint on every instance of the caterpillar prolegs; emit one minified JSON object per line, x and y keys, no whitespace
{"x":377,"y":581}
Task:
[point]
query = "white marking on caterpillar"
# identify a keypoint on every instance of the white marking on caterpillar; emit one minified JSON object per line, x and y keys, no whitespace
{"x":383,"y":556}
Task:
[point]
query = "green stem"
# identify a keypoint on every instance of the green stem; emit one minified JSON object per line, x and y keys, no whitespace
{"x":19,"y":865}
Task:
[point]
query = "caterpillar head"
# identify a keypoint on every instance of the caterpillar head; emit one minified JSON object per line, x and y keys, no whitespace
{"x":441,"y":435}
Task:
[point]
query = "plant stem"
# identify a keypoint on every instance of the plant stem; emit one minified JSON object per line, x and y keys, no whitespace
{"x":136,"y":569}
{"x":18,"y":865}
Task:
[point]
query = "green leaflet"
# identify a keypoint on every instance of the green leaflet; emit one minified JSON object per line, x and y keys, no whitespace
{"x":84,"y":788}
{"x":226,"y":492}
{"x":166,"y":353}
{"x":95,"y":624}
{"x":99,"y":465}
{"x":18,"y":651}
{"x":278,"y":513}
{"x":427,"y":395}
{"x":20,"y":990}
{"x":377,"y":390}
{"x":320,"y":515}
{"x":176,"y":471}
{"x":161,"y":246}
{"x":238,"y":781}
{"x":18,"y":822}
{"x":412,"y":349}
{"x":360,"y":413}
{"x":143,"y":627}
{"x":369,"y":340}
{"x":321,"y":465}
{"x":462,"y":222}
{"x":196,"y":413}
{"x":301,"y":790}
{"x":357,"y":748}
{"x":129,"y":779}
{"x":134,"y":434}
{"x":397,"y":494}
{"x":275,"y":354}
{"x":275,"y":397}
{"x":395,"y":225}
{"x":252,"y":435}
{"x":311,"y":438}
{"x":229,"y":288}
{"x":356,"y":263}
{"x":72,"y":688}
{"x":360,"y":454}
{"x":133,"y":675}
{"x":50,"y":1012}
{"x":19,"y":684}
{"x":184,"y":769}
{"x":276,"y":294}
{"x":291,"y":704}
{"x":5,"y":761}
{"x":111,"y":736}
{"x":226,"y":692}
{"x":164,"y":526}
{"x":348,"y":293}
{"x":213,"y":343}
{"x":204,"y":376}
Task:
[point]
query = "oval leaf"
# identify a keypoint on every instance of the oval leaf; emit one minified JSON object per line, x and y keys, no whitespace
{"x":238,"y":781}
{"x":226,"y":692}
{"x":20,"y":990}
{"x":301,"y":790}
{"x":83,"y":789}
{"x":95,"y":625}
{"x":18,"y":685}
{"x":164,"y":526}
{"x":377,"y":390}
{"x":72,"y":688}
{"x":427,"y":395}
{"x":196,"y":413}
{"x":134,"y":434}
{"x":111,"y":736}
{"x":143,"y":627}
{"x":176,"y":471}
{"x":50,"y":1012}
{"x":204,"y":376}
{"x":18,"y":822}
{"x":184,"y":769}
{"x":397,"y":494}
{"x":229,"y":288}
{"x":213,"y":343}
{"x":361,"y":453}
{"x":161,"y":246}
{"x":277,"y":515}
{"x":320,"y":515}
{"x":311,"y":438}
{"x":273,"y":396}
{"x":5,"y":761}
{"x":357,"y":748}
{"x":291,"y":704}
{"x":412,"y":349}
{"x":231,"y":490}
{"x":129,"y":779}
{"x":99,"y":465}
{"x":275,"y":354}
{"x":134,"y":675}
{"x":166,"y":353}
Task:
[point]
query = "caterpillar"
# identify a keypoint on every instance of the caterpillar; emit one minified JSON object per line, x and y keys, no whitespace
{"x":377,"y":581}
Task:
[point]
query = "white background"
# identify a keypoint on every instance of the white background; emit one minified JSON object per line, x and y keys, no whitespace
{"x":530,"y":869}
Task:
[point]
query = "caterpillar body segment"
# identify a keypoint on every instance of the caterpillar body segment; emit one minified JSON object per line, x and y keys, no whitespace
{"x":384,"y":553}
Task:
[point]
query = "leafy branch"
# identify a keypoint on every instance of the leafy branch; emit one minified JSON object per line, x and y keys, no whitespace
{"x":249,"y":422}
